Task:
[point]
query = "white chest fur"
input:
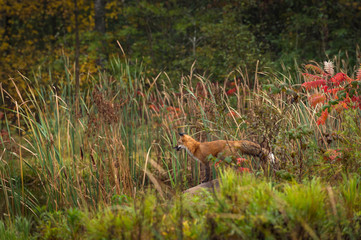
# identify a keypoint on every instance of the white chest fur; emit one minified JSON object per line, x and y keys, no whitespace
{"x":189,"y":153}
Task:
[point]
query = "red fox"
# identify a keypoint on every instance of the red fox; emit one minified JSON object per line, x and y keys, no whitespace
{"x":221,"y":149}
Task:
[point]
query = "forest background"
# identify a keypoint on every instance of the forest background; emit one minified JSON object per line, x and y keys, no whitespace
{"x":170,"y":35}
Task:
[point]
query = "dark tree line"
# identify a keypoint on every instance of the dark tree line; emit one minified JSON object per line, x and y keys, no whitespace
{"x":170,"y":35}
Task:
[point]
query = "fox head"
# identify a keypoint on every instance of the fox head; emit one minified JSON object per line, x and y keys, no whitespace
{"x":185,"y":142}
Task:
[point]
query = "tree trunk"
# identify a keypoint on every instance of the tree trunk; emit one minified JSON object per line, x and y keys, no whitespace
{"x":99,"y":7}
{"x":77,"y":46}
{"x":99,"y":18}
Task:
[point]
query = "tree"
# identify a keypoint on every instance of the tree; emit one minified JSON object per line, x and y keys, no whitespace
{"x":77,"y":47}
{"x":99,"y":19}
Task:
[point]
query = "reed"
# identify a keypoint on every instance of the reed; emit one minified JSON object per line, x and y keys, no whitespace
{"x":121,"y":142}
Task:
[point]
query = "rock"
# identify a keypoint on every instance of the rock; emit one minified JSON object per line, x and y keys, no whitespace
{"x":207,"y":185}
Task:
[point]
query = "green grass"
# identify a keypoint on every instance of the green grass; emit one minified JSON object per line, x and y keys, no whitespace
{"x":244,"y":207}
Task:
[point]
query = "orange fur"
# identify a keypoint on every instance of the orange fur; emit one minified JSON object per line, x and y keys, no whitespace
{"x":221,"y":149}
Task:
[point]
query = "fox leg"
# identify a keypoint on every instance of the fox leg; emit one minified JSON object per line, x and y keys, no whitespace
{"x":208,"y":173}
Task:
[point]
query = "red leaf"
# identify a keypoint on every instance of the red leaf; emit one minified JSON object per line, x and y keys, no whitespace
{"x":173,"y":109}
{"x":232,"y":114}
{"x":243,"y":169}
{"x":139,"y":93}
{"x":314,"y":68}
{"x":334,"y":91}
{"x":241,"y":160}
{"x":314,"y":84}
{"x":322,"y":119}
{"x":154,"y":108}
{"x":217,"y":163}
{"x":332,"y":155}
{"x":340,"y":106}
{"x":231,"y":91}
{"x":317,"y":98}
{"x":338,"y":78}
{"x":312,"y":77}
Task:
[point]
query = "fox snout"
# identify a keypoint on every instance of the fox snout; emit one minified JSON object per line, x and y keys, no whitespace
{"x":178,"y":147}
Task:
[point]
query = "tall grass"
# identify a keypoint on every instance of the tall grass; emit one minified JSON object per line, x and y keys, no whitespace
{"x":121,"y":142}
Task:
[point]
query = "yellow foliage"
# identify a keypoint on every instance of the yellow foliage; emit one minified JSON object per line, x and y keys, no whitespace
{"x":36,"y":32}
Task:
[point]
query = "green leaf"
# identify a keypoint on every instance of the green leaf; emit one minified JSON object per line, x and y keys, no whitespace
{"x":333,"y":102}
{"x":228,"y":159}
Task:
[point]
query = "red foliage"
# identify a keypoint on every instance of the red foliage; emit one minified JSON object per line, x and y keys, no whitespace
{"x":315,"y":69}
{"x":357,"y":101}
{"x":173,"y":109}
{"x":322,"y":119}
{"x":154,"y":108}
{"x":332,"y":155}
{"x":139,"y":93}
{"x":317,"y":98}
{"x":334,"y":91}
{"x":242,"y":169}
{"x":201,"y":90}
{"x":231,"y":91}
{"x":338,"y":78}
{"x":172,"y":114}
{"x":217,"y":163}
{"x":340,"y":106}
{"x":312,"y":77}
{"x":4,"y":133}
{"x":337,"y":90}
{"x":241,"y":160}
{"x":314,"y":84}
{"x":232,"y":114}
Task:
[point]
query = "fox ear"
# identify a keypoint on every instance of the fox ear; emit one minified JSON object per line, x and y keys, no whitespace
{"x":181,"y":134}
